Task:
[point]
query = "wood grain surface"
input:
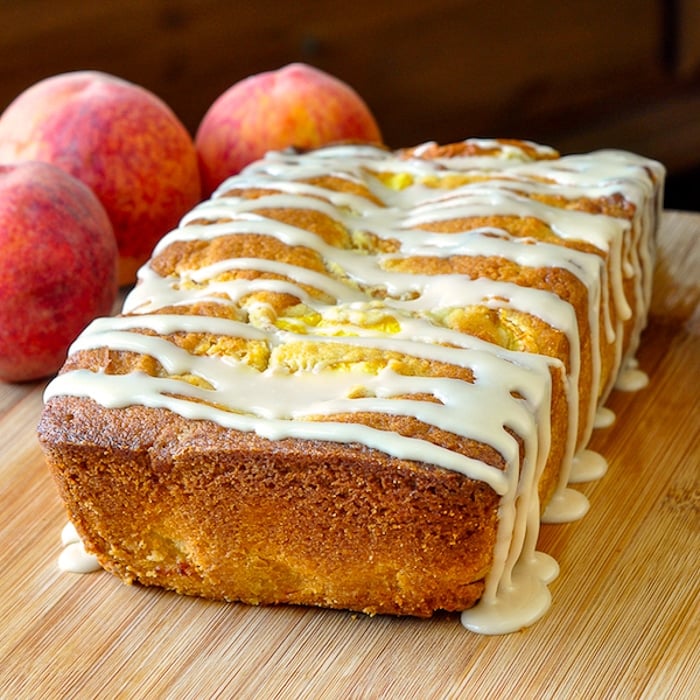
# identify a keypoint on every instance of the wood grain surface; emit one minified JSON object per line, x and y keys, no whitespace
{"x":625,"y":620}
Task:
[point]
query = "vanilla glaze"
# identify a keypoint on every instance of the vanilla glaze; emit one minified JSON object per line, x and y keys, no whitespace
{"x":515,"y":386}
{"x":73,"y":557}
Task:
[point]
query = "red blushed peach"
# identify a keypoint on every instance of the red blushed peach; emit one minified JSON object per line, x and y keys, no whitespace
{"x":295,"y":106}
{"x":120,"y":140}
{"x":58,"y":267}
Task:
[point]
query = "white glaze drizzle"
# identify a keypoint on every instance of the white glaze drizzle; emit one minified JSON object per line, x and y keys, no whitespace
{"x":587,"y":466}
{"x":277,"y":403}
{"x":74,"y":558}
{"x":631,"y":378}
{"x":604,"y":417}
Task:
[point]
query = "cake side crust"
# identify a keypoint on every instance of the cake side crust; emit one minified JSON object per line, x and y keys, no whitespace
{"x":189,"y":507}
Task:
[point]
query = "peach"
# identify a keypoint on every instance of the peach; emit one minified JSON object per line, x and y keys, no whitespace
{"x":297,"y":105}
{"x":119,"y":139}
{"x":58,"y":267}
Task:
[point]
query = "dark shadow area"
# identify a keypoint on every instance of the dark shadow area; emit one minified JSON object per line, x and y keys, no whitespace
{"x":683,"y":191}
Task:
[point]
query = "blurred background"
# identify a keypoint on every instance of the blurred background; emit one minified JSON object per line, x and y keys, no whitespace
{"x":576,"y":76}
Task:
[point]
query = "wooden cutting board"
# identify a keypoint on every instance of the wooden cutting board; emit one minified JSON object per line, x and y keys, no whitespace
{"x":625,"y":620}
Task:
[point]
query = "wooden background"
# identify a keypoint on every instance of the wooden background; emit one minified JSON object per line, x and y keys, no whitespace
{"x":574,"y":75}
{"x":626,"y":606}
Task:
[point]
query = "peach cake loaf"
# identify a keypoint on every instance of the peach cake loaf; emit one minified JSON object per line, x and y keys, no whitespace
{"x":357,"y":378}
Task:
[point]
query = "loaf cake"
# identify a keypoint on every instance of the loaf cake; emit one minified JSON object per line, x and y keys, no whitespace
{"x":358,"y":378}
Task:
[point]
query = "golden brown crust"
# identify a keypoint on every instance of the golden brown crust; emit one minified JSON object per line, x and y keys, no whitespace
{"x":470,"y":148}
{"x":192,"y":507}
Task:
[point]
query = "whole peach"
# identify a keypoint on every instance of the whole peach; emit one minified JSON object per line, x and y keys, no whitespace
{"x":297,"y":105}
{"x":58,"y":267}
{"x":119,"y":139}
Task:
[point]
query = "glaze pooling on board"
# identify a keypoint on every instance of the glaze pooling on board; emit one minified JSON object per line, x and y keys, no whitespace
{"x":73,"y":557}
{"x":360,"y":295}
